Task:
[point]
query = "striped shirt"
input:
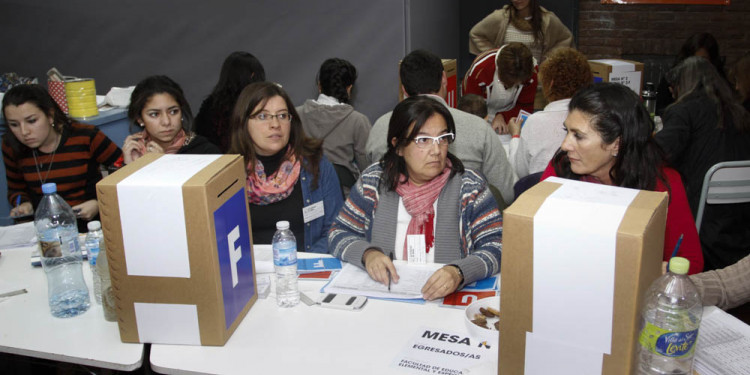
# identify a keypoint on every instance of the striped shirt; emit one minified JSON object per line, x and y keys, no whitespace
{"x":74,"y":166}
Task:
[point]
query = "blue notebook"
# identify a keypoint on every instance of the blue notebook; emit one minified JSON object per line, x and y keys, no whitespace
{"x":310,"y":265}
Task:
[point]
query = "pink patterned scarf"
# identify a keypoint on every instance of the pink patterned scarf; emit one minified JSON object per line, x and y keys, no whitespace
{"x":419,"y":201}
{"x":178,"y":141}
{"x":263,"y":190}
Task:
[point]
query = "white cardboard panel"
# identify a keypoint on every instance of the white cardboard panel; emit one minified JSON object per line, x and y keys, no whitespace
{"x":153,"y":216}
{"x":162,"y":323}
{"x":544,"y":357}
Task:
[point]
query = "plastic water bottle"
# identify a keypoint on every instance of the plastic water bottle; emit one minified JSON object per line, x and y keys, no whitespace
{"x":61,"y":256}
{"x":671,"y":317}
{"x":285,"y":263}
{"x":93,"y":237}
{"x":108,"y":296}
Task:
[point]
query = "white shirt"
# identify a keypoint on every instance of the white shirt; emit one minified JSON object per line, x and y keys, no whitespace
{"x":402,"y":223}
{"x":541,"y":136}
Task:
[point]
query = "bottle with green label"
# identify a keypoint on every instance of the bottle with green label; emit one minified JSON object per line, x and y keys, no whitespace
{"x":671,"y":317}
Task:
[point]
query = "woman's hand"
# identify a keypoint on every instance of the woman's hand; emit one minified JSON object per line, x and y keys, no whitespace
{"x":499,"y":125}
{"x":87,"y":210}
{"x":442,"y":283}
{"x":133,"y":148}
{"x":22,"y":209}
{"x":378,"y":266}
{"x":514,"y":126}
{"x":152,"y":146}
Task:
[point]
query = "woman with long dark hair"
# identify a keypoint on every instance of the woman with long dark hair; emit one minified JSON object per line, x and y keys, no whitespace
{"x":159,"y":109}
{"x":286,"y":170}
{"x":420,"y":191}
{"x":332,"y":118}
{"x":523,"y":21}
{"x":43,"y":145}
{"x":213,"y":119}
{"x":609,"y":141}
{"x":707,"y":125}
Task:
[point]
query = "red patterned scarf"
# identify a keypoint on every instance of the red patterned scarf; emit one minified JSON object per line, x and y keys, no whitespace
{"x":419,"y":201}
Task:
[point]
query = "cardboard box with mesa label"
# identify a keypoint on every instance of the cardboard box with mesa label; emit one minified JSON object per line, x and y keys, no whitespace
{"x":177,"y":232}
{"x":577,"y":260}
{"x":626,"y":72}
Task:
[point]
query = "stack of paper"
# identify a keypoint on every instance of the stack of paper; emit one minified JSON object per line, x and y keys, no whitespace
{"x":723,"y":345}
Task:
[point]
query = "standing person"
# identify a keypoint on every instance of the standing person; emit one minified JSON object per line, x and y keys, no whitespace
{"x":332,"y":118}
{"x":704,"y":126}
{"x":288,"y":176}
{"x":479,"y":148}
{"x":522,"y":21}
{"x":43,"y":145}
{"x":421,"y":191}
{"x":212,"y":121}
{"x":507,"y":78}
{"x":609,"y":142}
{"x":698,"y":44}
{"x":564,"y":73}
{"x":158,"y":106}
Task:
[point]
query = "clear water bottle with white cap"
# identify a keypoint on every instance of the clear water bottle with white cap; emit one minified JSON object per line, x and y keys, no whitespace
{"x":62,"y":260}
{"x":671,"y":317}
{"x":285,"y":262}
{"x":93,"y":237}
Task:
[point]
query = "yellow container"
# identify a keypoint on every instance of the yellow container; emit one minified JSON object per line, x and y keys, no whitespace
{"x":81,"y":94}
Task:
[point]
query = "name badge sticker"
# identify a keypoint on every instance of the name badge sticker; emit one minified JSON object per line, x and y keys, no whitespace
{"x":415,"y":248}
{"x":313,"y":211}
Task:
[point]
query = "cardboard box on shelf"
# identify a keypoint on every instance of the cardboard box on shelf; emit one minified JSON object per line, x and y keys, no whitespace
{"x":451,"y":97}
{"x":577,"y":260}
{"x":626,"y":72}
{"x":177,"y":231}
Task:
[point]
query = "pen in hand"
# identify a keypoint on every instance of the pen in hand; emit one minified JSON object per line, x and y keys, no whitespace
{"x":390,"y":255}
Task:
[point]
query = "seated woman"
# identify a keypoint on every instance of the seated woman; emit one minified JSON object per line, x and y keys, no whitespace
{"x":332,"y":119}
{"x":44,"y":145}
{"x":420,"y":189}
{"x":159,"y":107}
{"x":506,"y":77}
{"x":288,"y":176}
{"x":704,"y":126}
{"x":213,"y":119}
{"x":609,"y":142}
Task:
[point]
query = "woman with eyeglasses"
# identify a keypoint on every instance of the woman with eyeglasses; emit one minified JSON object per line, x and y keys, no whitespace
{"x":288,"y":176}
{"x":159,"y":108}
{"x":420,"y":192}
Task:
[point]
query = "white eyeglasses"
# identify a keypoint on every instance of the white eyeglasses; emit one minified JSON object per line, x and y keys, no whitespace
{"x":423,"y":141}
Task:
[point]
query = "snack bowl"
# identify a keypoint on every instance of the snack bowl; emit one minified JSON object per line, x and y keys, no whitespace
{"x":490,"y":333}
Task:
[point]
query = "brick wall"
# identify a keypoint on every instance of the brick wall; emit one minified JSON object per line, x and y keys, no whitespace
{"x":610,"y":30}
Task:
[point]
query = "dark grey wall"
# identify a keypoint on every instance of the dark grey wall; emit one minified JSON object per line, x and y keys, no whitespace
{"x":120,"y":42}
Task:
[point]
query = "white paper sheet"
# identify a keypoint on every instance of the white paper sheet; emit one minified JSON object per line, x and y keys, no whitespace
{"x":435,"y":351}
{"x":263,"y":257}
{"x":153,"y":215}
{"x":723,"y":344}
{"x":575,"y":234}
{"x":354,"y":280}
{"x":19,"y":235}
{"x":167,"y":323}
{"x":559,"y":358}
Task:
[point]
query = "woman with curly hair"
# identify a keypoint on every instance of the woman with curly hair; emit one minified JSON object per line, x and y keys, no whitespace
{"x":212,"y":121}
{"x":564,"y":73}
{"x":332,"y":118}
{"x":288,"y":178}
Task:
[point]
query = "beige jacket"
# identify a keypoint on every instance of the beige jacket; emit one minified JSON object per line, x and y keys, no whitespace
{"x":489,"y":33}
{"x":725,"y":288}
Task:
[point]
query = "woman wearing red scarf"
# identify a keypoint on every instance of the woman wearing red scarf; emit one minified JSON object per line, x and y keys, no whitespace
{"x":419,"y":202}
{"x":288,"y":178}
{"x":159,"y":107}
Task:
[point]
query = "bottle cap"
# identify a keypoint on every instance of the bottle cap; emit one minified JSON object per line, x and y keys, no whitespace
{"x":281,"y":225}
{"x":94,"y":225}
{"x":679,"y":265}
{"x":49,"y":188}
